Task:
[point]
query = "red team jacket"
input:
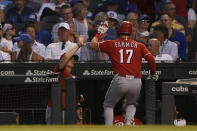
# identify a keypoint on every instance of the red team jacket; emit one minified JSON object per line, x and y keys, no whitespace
{"x":64,"y":74}
{"x":126,"y":56}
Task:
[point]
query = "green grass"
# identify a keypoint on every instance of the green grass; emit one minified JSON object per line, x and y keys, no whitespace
{"x":96,"y":128}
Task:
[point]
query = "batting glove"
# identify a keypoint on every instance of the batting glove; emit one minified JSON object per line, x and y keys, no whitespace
{"x":103,"y":27}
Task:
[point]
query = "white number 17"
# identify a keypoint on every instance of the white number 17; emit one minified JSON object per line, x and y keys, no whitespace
{"x":128,"y":52}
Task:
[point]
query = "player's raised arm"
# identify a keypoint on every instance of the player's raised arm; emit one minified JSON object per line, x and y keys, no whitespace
{"x":102,"y":29}
{"x":70,"y":53}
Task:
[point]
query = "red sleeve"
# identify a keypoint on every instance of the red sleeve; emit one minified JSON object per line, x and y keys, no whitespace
{"x":106,"y":46}
{"x":149,"y":57}
{"x":56,"y":68}
{"x":62,"y":55}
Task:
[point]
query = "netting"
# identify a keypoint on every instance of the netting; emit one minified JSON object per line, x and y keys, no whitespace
{"x":29,"y":101}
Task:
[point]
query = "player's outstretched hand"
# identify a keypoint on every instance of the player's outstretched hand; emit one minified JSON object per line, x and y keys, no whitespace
{"x":103,"y":27}
{"x":153,"y":77}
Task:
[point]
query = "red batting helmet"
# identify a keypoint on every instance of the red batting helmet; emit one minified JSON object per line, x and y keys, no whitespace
{"x":125,"y":27}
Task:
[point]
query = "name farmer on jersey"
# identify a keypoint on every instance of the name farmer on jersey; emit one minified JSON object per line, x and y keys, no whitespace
{"x":126,"y":44}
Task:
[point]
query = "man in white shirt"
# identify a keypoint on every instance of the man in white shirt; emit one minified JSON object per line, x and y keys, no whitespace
{"x":153,"y":47}
{"x":55,"y":50}
{"x":166,"y":46}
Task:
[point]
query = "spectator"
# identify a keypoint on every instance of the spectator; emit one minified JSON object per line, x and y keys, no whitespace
{"x":66,"y":15}
{"x":142,"y":32}
{"x":191,"y":19}
{"x":19,"y":13}
{"x":91,"y":54}
{"x":26,"y":53}
{"x":4,"y":4}
{"x":109,"y":5}
{"x":171,"y":9}
{"x":36,"y":46}
{"x":2,"y":16}
{"x":176,"y":25}
{"x":4,"y":49}
{"x":181,"y":8}
{"x":65,"y":66}
{"x":175,"y":36}
{"x":9,"y":33}
{"x":81,"y":24}
{"x":79,"y":111}
{"x":133,"y":18}
{"x":153,"y":47}
{"x":111,"y":32}
{"x":82,"y":117}
{"x":54,"y":6}
{"x":166,"y":47}
{"x":42,"y":35}
{"x":158,"y":4}
{"x":55,"y":50}
{"x":100,"y":17}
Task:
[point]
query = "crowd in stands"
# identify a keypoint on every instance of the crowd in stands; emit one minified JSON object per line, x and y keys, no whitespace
{"x":169,"y":23}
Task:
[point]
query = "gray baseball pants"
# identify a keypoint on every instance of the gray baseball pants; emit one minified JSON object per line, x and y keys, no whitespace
{"x":128,"y":87}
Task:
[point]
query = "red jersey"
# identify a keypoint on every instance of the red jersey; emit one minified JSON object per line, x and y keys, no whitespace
{"x":64,"y":74}
{"x":119,"y":120}
{"x":126,"y":56}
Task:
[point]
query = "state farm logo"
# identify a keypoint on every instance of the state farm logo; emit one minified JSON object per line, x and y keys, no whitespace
{"x":38,"y":72}
{"x":27,"y":80}
{"x":29,"y":72}
{"x":98,"y":72}
{"x":86,"y":73}
{"x":41,"y":79}
{"x":180,"y":89}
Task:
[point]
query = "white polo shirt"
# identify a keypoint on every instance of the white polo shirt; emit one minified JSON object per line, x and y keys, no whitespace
{"x":164,"y":58}
{"x":170,"y":48}
{"x":54,"y":50}
{"x":4,"y":56}
{"x":8,"y":44}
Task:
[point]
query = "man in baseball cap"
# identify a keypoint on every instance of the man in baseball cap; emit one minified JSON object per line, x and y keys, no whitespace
{"x":64,"y":25}
{"x":112,"y":15}
{"x":111,"y":33}
{"x":63,"y":45}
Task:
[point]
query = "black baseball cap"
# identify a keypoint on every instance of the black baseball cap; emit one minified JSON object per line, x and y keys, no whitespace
{"x":143,"y":17}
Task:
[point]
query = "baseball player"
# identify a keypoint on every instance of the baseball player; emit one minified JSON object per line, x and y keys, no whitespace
{"x":125,"y":55}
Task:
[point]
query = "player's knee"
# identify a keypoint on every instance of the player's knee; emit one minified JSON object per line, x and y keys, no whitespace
{"x":106,"y":104}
